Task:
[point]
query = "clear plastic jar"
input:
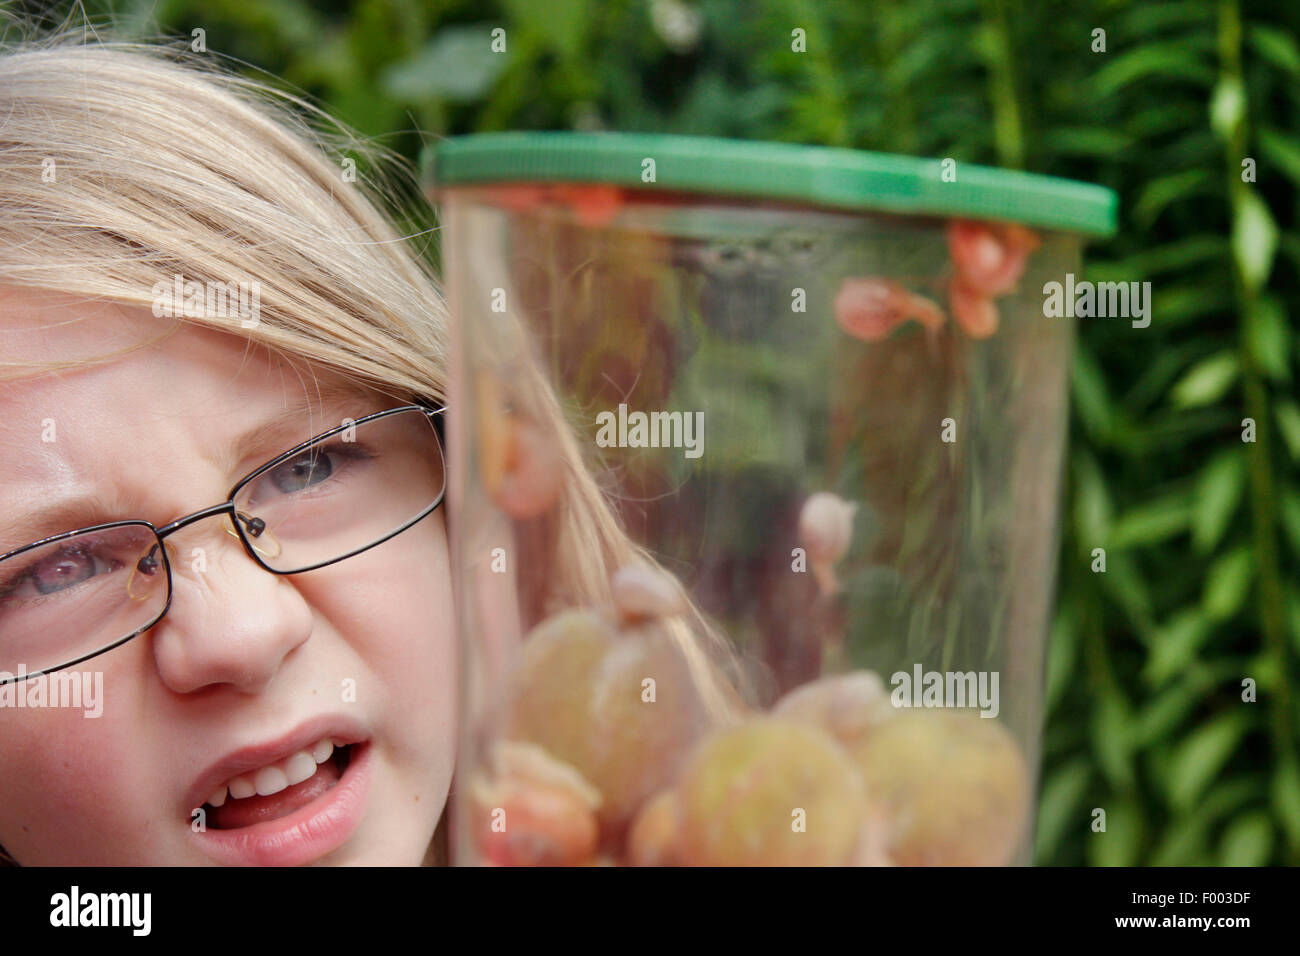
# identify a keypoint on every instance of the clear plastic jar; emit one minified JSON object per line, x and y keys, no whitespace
{"x":755,"y":460}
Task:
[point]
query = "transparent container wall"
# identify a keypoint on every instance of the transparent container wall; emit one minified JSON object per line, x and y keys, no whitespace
{"x":755,"y":512}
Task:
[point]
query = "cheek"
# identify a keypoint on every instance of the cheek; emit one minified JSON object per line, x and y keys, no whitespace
{"x":394,"y":610}
{"x":69,"y":787}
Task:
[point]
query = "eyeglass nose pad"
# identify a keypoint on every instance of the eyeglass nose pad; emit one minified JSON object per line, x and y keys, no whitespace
{"x":145,"y":575}
{"x":256,"y":529}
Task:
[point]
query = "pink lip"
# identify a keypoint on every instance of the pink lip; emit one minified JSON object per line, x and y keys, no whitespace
{"x":309,"y":832}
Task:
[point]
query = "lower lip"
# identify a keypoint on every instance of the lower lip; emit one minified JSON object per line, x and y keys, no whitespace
{"x":308,"y":833}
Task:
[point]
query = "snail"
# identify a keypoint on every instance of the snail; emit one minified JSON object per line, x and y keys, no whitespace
{"x":655,"y":833}
{"x":975,"y":313}
{"x":825,"y":529}
{"x":849,"y":706}
{"x":642,"y":591}
{"x":537,"y":811}
{"x":988,"y":259}
{"x":870,"y":308}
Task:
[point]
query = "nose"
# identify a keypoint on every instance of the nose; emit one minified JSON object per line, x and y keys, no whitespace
{"x":230,"y":622}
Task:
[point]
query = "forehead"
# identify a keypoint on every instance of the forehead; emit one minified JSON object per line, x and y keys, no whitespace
{"x":167,"y":415}
{"x":196,"y":368}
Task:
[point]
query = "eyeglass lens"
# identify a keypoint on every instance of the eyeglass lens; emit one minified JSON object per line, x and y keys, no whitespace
{"x":70,"y":598}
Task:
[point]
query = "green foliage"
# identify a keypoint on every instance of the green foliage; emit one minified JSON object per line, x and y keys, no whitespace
{"x":1145,"y":672}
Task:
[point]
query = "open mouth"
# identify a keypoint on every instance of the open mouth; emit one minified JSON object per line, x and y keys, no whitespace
{"x":278,"y":789}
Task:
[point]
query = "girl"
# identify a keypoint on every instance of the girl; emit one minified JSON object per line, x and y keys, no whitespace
{"x":190,"y":291}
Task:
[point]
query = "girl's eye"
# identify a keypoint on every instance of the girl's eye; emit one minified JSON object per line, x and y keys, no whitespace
{"x":311,"y":469}
{"x":60,"y":572}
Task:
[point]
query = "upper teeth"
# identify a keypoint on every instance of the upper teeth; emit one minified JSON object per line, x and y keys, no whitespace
{"x":277,"y":776}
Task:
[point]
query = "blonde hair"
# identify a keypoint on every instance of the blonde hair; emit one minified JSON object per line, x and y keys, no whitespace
{"x":123,"y":164}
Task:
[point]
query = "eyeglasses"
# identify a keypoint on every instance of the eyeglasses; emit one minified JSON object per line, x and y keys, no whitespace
{"x":74,"y":596}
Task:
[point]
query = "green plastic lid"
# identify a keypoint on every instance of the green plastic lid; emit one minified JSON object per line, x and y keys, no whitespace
{"x":819,"y":175}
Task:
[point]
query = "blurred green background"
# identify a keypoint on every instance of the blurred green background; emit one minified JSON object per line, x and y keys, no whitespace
{"x":1201,"y":529}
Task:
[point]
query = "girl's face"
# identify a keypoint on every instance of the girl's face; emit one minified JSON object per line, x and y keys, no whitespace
{"x":247,"y":669}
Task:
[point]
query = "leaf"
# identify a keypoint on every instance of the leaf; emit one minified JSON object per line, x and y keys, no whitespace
{"x":1091,"y":401}
{"x":1147,"y":19}
{"x":1278,"y":148}
{"x":1288,"y":425}
{"x":1227,"y":107}
{"x":1293,"y":616}
{"x":1163,"y":118}
{"x":1111,"y":725}
{"x":1092,"y":507}
{"x":1269,"y":337}
{"x":1201,"y":756}
{"x":1096,"y":141}
{"x":1165,"y":190}
{"x":1289,"y":511}
{"x":1254,"y":238}
{"x":1173,"y":648}
{"x":457,"y":65}
{"x":1158,"y":374}
{"x":1180,"y":304}
{"x":1122,"y":840}
{"x":1218,"y":493}
{"x":1247,"y":840}
{"x":1276,"y":46}
{"x":1285,"y":796}
{"x":1062,"y":652}
{"x":1264,"y":669}
{"x":1173,"y":432}
{"x":1058,"y":807}
{"x":1207,"y":381}
{"x":1127,"y":586}
{"x":1227,"y":583}
{"x":1169,"y":257}
{"x":1185,"y":842}
{"x":1173,"y":59}
{"x":1151,"y":522}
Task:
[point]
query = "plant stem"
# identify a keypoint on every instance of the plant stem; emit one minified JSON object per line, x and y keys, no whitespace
{"x":1008,"y":128}
{"x":1262,"y":486}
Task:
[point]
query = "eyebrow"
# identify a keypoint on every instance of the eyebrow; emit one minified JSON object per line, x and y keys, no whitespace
{"x":277,"y":434}
{"x":69,"y":514}
{"x":272,"y":437}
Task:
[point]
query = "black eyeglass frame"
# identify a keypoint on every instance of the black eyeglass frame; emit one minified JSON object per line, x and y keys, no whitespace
{"x":227,"y":507}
